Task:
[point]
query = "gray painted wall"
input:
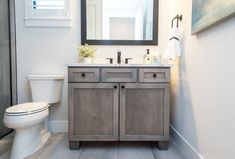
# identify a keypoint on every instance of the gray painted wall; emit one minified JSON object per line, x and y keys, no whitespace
{"x":203,"y":88}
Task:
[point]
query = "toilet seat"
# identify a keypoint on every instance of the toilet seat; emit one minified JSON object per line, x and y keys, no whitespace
{"x":26,"y":109}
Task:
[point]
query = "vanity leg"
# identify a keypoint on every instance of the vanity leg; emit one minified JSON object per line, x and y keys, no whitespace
{"x":153,"y":144}
{"x":163,"y":145}
{"x":74,"y":145}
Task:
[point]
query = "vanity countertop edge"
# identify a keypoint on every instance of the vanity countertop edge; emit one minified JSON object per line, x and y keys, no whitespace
{"x":120,"y":65}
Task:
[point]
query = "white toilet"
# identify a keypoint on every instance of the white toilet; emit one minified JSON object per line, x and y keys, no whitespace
{"x":29,"y":120}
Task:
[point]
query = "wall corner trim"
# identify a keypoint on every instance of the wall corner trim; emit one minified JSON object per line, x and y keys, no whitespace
{"x":183,"y":145}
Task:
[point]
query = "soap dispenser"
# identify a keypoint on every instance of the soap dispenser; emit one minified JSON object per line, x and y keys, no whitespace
{"x":147,"y":57}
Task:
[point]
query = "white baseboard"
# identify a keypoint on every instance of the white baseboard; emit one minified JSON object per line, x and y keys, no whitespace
{"x":58,"y":126}
{"x":183,"y":145}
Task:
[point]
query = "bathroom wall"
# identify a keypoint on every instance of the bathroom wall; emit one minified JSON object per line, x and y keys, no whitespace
{"x":202,"y":111}
{"x":49,"y":50}
{"x":203,"y":105}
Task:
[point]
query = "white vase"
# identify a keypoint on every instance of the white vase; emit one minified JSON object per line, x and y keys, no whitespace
{"x":87,"y":60}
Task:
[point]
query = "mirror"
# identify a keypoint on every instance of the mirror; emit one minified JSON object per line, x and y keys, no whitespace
{"x":119,"y":22}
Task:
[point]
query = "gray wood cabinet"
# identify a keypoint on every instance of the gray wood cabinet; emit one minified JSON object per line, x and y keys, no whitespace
{"x":93,"y":112}
{"x":143,"y":112}
{"x":118,"y":104}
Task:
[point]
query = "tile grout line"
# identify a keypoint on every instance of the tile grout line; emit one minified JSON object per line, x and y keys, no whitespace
{"x":152,"y":150}
{"x":80,"y":150}
{"x":116,"y":151}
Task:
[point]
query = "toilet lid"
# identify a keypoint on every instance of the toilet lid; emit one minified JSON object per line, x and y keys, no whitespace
{"x":45,"y":77}
{"x":27,"y":108}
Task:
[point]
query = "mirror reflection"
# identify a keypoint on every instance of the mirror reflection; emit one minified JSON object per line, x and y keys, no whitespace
{"x":119,"y":19}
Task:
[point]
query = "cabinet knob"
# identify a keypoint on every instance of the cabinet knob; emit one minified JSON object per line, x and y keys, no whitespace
{"x":123,"y":87}
{"x":115,"y":87}
{"x":83,"y":74}
{"x":154,"y":75}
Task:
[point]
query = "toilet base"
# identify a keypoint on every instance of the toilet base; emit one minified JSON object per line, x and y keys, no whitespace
{"x":45,"y":135}
{"x":28,"y":141}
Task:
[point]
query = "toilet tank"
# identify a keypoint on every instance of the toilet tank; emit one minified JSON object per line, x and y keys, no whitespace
{"x":46,"y":88}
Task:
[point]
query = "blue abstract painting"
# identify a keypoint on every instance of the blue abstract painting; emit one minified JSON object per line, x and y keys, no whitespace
{"x":207,"y":13}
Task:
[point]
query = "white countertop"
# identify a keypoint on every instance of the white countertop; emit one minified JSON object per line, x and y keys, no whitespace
{"x":117,"y":65}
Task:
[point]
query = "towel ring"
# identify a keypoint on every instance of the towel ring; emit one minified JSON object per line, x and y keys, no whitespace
{"x":178,"y":18}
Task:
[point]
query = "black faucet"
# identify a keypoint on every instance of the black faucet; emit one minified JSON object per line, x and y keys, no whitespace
{"x":119,"y":54}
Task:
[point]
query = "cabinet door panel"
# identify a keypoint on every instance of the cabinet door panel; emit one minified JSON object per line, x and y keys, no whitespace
{"x":94,"y":109}
{"x":144,"y":111}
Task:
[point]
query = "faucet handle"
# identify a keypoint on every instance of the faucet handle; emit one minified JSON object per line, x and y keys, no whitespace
{"x":127,"y":60}
{"x":110,"y":60}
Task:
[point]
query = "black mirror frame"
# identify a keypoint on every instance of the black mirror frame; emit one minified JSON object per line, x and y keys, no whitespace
{"x":119,"y":42}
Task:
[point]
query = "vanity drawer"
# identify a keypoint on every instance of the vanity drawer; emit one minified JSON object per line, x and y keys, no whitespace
{"x":84,"y":74}
{"x":119,"y":75}
{"x":154,"y":75}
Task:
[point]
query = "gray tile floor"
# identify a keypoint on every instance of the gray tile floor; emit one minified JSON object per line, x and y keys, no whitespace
{"x":58,"y":148}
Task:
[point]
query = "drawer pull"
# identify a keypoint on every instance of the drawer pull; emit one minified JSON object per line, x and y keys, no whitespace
{"x":123,"y":87}
{"x":154,"y":75}
{"x":83,"y":75}
{"x":115,"y":87}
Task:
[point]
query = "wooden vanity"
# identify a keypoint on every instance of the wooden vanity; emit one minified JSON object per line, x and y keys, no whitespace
{"x":118,"y":103}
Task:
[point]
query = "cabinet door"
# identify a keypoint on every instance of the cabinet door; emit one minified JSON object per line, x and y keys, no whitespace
{"x":144,"y":112}
{"x":93,"y":112}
